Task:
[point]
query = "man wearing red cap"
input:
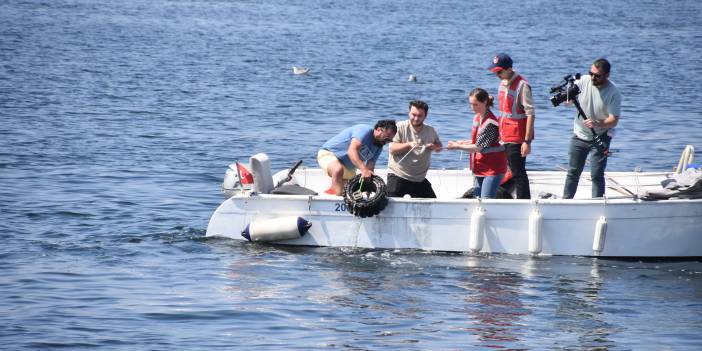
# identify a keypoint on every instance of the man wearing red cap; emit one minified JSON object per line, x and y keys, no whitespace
{"x":516,"y":114}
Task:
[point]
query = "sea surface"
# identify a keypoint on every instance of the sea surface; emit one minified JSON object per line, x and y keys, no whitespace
{"x":119,"y":118}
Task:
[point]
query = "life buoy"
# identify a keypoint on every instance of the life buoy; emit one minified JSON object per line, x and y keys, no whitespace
{"x":365,"y":198}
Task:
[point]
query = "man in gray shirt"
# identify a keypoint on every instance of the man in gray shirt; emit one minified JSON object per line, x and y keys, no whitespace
{"x":601,"y":102}
{"x":410,"y":154}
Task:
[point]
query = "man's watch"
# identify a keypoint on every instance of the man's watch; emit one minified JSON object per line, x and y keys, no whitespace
{"x":528,"y":142}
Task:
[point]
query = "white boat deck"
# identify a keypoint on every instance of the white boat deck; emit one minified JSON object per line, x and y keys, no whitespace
{"x":451,"y":184}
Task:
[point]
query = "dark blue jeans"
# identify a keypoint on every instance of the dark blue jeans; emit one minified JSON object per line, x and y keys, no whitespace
{"x":579,"y":149}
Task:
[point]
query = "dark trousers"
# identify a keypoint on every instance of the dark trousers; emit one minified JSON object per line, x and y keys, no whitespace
{"x":517,"y":165}
{"x":399,"y":187}
{"x":579,"y":149}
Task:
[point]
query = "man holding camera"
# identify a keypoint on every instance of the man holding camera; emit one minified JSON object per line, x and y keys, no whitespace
{"x":516,"y":114}
{"x":600,"y":101}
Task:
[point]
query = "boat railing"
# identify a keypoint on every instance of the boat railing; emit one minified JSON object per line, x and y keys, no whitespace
{"x":686,"y":158}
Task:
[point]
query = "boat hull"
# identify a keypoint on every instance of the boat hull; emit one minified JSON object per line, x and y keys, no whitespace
{"x":668,"y":228}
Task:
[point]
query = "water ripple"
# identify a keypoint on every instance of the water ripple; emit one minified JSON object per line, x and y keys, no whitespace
{"x":120,"y":118}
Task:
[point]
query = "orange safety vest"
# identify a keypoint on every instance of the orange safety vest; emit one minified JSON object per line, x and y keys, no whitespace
{"x":488,"y":164}
{"x":513,"y":121}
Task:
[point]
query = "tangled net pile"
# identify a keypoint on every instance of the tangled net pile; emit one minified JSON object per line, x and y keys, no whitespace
{"x":365,"y":198}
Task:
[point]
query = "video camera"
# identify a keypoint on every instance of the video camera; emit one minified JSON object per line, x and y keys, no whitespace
{"x":566,"y":91}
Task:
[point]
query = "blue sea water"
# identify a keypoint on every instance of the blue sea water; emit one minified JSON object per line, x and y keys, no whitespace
{"x":118,"y":120}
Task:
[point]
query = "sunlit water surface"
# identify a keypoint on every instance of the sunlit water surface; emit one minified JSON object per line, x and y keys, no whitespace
{"x":118,"y":119}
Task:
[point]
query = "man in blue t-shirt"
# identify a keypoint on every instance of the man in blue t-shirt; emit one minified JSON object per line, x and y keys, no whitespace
{"x":356,"y":147}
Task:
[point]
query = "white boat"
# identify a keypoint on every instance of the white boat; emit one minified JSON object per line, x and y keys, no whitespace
{"x":621,"y":224}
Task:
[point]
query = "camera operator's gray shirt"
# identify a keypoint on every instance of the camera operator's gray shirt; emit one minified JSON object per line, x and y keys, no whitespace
{"x":598,"y":104}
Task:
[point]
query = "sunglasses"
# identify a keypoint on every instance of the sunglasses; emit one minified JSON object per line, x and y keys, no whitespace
{"x":596,"y":75}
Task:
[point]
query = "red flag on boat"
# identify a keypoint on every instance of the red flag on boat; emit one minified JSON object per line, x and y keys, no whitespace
{"x":245,"y":176}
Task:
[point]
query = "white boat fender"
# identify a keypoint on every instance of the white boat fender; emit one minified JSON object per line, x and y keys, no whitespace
{"x":535,"y":221}
{"x":275,"y":229}
{"x":598,"y":241}
{"x":477,"y":229}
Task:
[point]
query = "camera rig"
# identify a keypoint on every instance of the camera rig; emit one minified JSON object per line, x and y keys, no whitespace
{"x":568,"y":91}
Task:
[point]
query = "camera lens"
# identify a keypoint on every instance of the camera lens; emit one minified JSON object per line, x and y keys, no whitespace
{"x":558,"y":99}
